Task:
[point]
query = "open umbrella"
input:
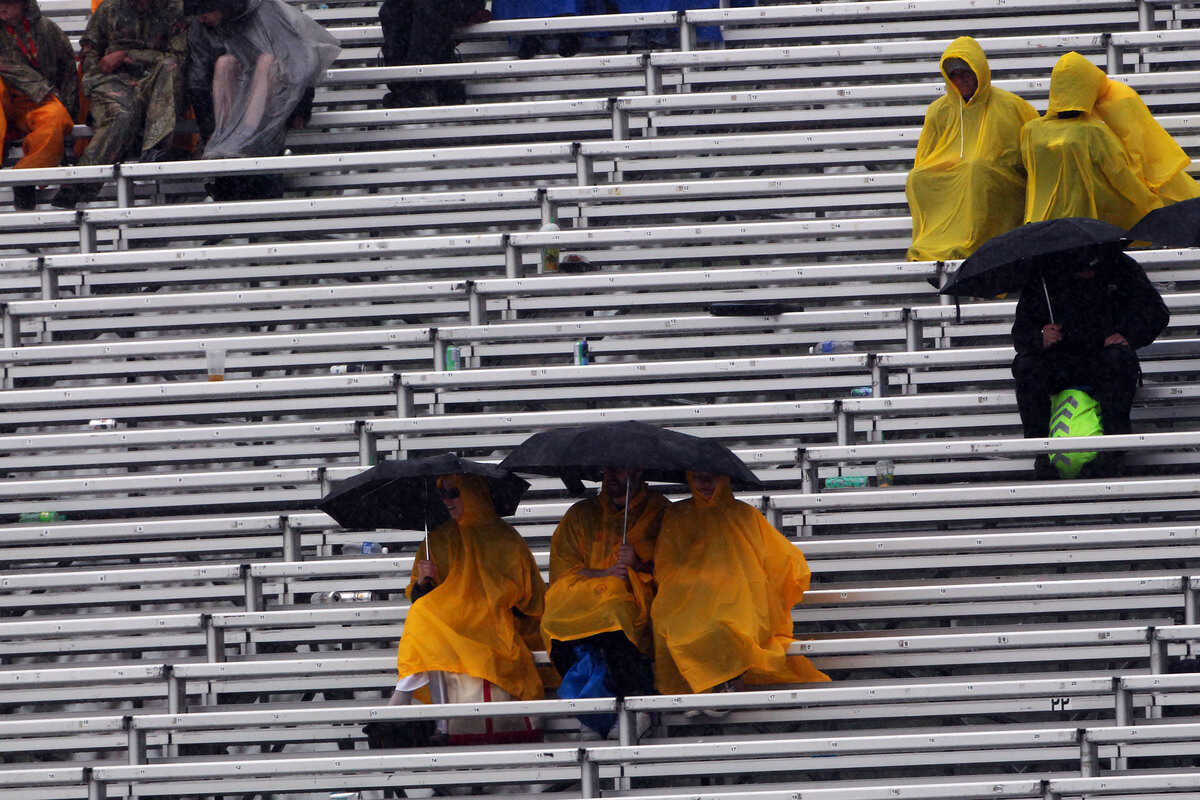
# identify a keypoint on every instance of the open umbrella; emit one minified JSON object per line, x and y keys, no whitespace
{"x":403,"y":494}
{"x":1176,"y":225}
{"x":662,"y":455}
{"x":1006,"y":262}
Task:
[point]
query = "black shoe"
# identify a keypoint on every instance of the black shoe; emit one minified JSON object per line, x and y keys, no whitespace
{"x":1105,"y":465}
{"x":529,"y":47}
{"x":1043,"y":470}
{"x":568,"y":45}
{"x":66,"y":197}
{"x":159,"y":153}
{"x":24,"y":198}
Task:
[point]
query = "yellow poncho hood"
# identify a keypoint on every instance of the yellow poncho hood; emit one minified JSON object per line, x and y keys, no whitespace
{"x":1078,"y":166}
{"x":486,"y":607}
{"x":967,"y":183}
{"x":587,"y":538}
{"x":727,"y":582}
{"x":1076,"y":84}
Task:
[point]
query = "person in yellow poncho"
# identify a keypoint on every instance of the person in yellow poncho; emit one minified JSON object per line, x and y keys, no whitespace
{"x":601,"y":583}
{"x":727,"y":582}
{"x":477,"y":601}
{"x":1078,"y":166}
{"x":967,"y":183}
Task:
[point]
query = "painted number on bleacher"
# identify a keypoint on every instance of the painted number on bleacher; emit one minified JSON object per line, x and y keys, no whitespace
{"x":1059,"y":703}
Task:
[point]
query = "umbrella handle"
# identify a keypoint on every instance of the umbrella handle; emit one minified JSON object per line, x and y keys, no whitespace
{"x":625,"y":524}
{"x":1049,"y":306}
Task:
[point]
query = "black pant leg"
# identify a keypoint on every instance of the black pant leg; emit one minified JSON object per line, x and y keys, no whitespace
{"x":1032,"y":377}
{"x":396,"y":19}
{"x":1116,"y":372}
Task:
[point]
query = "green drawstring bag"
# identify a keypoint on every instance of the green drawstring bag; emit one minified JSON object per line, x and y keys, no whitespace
{"x":1073,"y":412}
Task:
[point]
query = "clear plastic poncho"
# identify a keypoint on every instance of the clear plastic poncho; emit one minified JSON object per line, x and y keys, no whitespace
{"x":253,"y":106}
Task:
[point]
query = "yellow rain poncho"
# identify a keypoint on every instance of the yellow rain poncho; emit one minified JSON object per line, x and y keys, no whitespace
{"x":967,"y":183}
{"x":469,"y":622}
{"x":1157,"y":158}
{"x":587,"y":538}
{"x":727,"y":582}
{"x":1077,"y":166}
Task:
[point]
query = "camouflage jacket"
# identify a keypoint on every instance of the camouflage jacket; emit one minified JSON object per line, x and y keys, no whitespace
{"x":54,"y":71}
{"x":147,"y":36}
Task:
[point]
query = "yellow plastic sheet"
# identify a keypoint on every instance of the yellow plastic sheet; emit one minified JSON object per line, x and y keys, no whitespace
{"x":469,"y":622}
{"x":1078,"y":167}
{"x":727,"y":582}
{"x":967,"y":183}
{"x":587,"y":538}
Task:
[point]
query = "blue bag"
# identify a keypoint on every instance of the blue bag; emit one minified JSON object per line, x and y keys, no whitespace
{"x":588,"y":677}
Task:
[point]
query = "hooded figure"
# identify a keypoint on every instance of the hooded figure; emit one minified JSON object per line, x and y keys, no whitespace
{"x":1104,"y":309}
{"x":1077,"y":165}
{"x":586,"y":600}
{"x":39,"y":88}
{"x":727,"y":582}
{"x":480,"y":611}
{"x":253,"y":65}
{"x":1157,"y":158}
{"x":967,"y":183}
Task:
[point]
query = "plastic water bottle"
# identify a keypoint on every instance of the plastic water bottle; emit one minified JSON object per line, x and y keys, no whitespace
{"x":580,"y":353}
{"x":861,"y":391}
{"x":550,"y":253}
{"x":885,"y":472}
{"x":846,"y":482}
{"x":831,"y":346}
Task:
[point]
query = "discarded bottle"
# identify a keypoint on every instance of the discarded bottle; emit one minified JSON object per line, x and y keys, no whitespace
{"x":580,"y":351}
{"x":861,"y":391}
{"x":550,"y":253}
{"x":453,"y":358}
{"x":42,"y":516}
{"x":831,"y":346}
{"x":371,"y":548}
{"x":105,"y":424}
{"x":846,"y":482}
{"x":885,"y":472}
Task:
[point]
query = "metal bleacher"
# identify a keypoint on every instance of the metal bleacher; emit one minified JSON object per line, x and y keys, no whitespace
{"x":166,"y":621}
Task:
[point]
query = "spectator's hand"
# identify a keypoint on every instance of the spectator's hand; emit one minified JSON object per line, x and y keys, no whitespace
{"x":625,"y":557}
{"x":1051,"y":334}
{"x":113,"y":61}
{"x":1116,"y":338}
{"x":426,"y":571}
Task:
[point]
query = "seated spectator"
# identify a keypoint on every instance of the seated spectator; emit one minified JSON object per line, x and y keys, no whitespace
{"x":133,"y":54}
{"x":1077,"y":165}
{"x":250,"y":77}
{"x":601,"y":583}
{"x":531,"y":45}
{"x":38,"y":89}
{"x":1104,"y":309}
{"x":477,"y":602}
{"x":967,"y":183}
{"x":422,"y":32}
{"x":727,"y":582}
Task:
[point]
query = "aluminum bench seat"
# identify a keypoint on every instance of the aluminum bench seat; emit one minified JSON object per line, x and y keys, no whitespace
{"x":993,"y":504}
{"x":92,"y":633}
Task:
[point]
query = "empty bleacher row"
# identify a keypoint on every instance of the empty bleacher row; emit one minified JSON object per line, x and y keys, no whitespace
{"x":166,"y":629}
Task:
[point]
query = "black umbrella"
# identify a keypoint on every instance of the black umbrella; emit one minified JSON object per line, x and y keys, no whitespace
{"x":403,"y":494}
{"x":1005,"y":263}
{"x":661,"y":454}
{"x":1176,"y":225}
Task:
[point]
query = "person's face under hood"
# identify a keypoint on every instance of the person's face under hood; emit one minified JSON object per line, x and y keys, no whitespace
{"x":965,"y":69}
{"x":1075,"y":85}
{"x":709,"y":489}
{"x":12,"y":11}
{"x":467,"y":498}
